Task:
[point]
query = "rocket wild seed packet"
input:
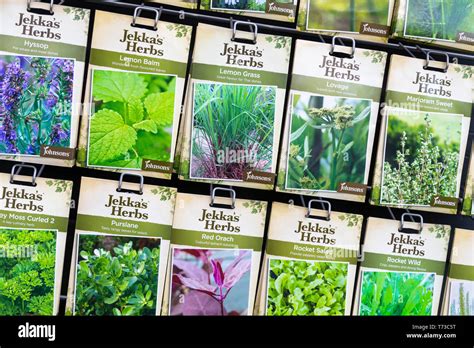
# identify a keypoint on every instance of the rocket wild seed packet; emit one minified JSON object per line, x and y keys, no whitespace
{"x":120,"y":249}
{"x":459,"y":291}
{"x":41,"y":72}
{"x":33,"y":227}
{"x":363,"y":19}
{"x":135,"y":88}
{"x":401,"y":273}
{"x":423,"y":138}
{"x":215,"y":256}
{"x":331,"y":119}
{"x":234,"y":108}
{"x":310,"y":264}
{"x":468,"y":207}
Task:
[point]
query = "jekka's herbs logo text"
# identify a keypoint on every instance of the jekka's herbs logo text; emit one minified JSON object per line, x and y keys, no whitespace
{"x":406,"y":244}
{"x":311,"y":232}
{"x":242,"y":55}
{"x":219,"y":221}
{"x":21,"y":199}
{"x":430,"y":83}
{"x":142,"y":43}
{"x":39,"y":26}
{"x":127,"y":207}
{"x":340,"y":68}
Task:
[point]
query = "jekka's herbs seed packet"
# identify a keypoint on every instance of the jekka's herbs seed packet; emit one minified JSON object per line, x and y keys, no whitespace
{"x":281,"y":10}
{"x":215,"y":257}
{"x":424,"y":132}
{"x":33,"y":227}
{"x":41,"y":72}
{"x":448,"y":23}
{"x":401,"y":273}
{"x":234,"y":108}
{"x":309,"y":265}
{"x":331,"y":119}
{"x":121,"y":249}
{"x":459,"y":291}
{"x":135,"y":88}
{"x":365,"y":20}
{"x":468,"y":206}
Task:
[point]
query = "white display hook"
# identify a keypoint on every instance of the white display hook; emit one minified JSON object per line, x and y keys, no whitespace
{"x":323,"y":203}
{"x":402,"y":228}
{"x":28,"y":5}
{"x":138,"y":11}
{"x":253,"y":28}
{"x":333,"y":45}
{"x":224,"y":189}
{"x":140,"y":191}
{"x":429,"y":57}
{"x":19,"y":167}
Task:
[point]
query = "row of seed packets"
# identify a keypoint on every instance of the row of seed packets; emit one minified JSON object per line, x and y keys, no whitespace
{"x":234,"y":107}
{"x":148,"y":250}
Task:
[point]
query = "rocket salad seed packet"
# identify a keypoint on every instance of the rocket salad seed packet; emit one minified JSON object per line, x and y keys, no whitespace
{"x":41,"y":72}
{"x":135,"y":89}
{"x":120,"y":249}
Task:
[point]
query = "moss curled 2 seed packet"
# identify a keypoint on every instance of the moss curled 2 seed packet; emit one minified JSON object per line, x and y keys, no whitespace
{"x":309,"y":265}
{"x":331,"y":119}
{"x":234,"y":107}
{"x":135,"y":88}
{"x":402,"y":271}
{"x":33,"y":227}
{"x":459,"y":291}
{"x":215,"y":256}
{"x":468,"y":206}
{"x":120,"y":249}
{"x":423,"y":137}
{"x":41,"y":71}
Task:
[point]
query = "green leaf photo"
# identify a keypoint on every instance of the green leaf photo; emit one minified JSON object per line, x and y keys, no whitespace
{"x":132,"y":119}
{"x":461,"y":299}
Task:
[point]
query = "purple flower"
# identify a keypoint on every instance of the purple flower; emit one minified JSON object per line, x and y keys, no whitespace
{"x":58,"y":134}
{"x":12,"y":85}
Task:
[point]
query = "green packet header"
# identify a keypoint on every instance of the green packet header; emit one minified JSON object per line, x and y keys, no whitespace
{"x":14,"y":219}
{"x":402,"y":263}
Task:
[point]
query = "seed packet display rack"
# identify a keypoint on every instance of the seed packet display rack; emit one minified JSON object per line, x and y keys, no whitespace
{"x":192,"y":17}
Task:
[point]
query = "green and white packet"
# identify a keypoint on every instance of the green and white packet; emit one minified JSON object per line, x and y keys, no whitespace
{"x":135,"y":88}
{"x":33,"y":228}
{"x":423,"y":136}
{"x":120,"y":250}
{"x":449,"y":24}
{"x":45,"y":52}
{"x":242,"y":85}
{"x":331,"y":121}
{"x":309,"y":266}
{"x":402,"y":271}
{"x":468,"y":207}
{"x":459,"y":290}
{"x":215,"y":256}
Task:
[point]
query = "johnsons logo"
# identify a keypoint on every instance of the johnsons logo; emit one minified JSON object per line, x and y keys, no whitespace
{"x":127,"y":207}
{"x":241,"y":55}
{"x":340,"y":68}
{"x":39,"y":26}
{"x":21,"y":199}
{"x":407,"y":244}
{"x":430,"y":83}
{"x":219,"y":221}
{"x":311,"y":232}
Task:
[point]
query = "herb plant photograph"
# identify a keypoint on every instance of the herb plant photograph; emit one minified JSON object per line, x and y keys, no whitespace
{"x":439,"y":19}
{"x":132,"y":118}
{"x":306,"y":288}
{"x":27,"y":271}
{"x":35,"y":103}
{"x":116,"y":276}
{"x":396,"y":293}
{"x":241,"y":5}
{"x":210,"y":282}
{"x":421,"y":157}
{"x":233,"y":128}
{"x":461,"y":298}
{"x":345,"y":15}
{"x":328,"y":142}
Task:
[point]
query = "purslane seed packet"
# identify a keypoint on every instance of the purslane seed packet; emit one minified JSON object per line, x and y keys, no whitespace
{"x":364,"y":20}
{"x":331,"y":120}
{"x":459,"y":291}
{"x":135,"y":89}
{"x":215,"y":256}
{"x":423,"y":137}
{"x":448,"y":23}
{"x":41,"y":73}
{"x":468,"y":206}
{"x":234,"y":108}
{"x":33,"y":228}
{"x":121,"y":248}
{"x":401,"y":272}
{"x":310,"y":263}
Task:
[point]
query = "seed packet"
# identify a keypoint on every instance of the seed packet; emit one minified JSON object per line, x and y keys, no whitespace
{"x":423,"y":137}
{"x":282,"y":10}
{"x":402,"y":269}
{"x":331,"y":120}
{"x":192,"y":4}
{"x":234,"y":106}
{"x":135,"y":88}
{"x":459,"y":291}
{"x":310,"y":263}
{"x":215,"y":256}
{"x":41,"y":71}
{"x":468,"y":207}
{"x":33,"y":227}
{"x":120,"y":249}
{"x":447,"y":23}
{"x":365,"y":20}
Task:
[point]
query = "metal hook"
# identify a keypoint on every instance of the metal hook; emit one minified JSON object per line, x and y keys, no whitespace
{"x":404,"y":229}
{"x":251,"y":25}
{"x":427,"y":62}
{"x":341,"y":54}
{"x":20,"y":166}
{"x":138,"y":11}
{"x":51,"y":4}
{"x":323,"y":202}
{"x":224,"y":189}
{"x":120,"y":183}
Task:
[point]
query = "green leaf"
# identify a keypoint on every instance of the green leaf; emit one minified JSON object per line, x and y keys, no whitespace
{"x":347,"y":147}
{"x":154,"y":146}
{"x":117,"y":86}
{"x":135,"y":111}
{"x":160,"y":108}
{"x":109,"y":137}
{"x":147,"y":125}
{"x":116,"y":312}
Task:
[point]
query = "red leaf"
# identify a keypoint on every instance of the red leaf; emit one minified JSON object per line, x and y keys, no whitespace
{"x":191,"y":270}
{"x":218,"y":274}
{"x":197,"y":303}
{"x":194,"y":284}
{"x":237,"y":268}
